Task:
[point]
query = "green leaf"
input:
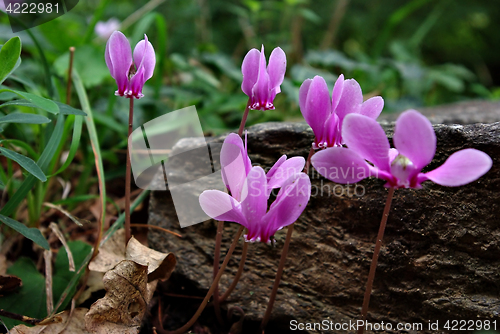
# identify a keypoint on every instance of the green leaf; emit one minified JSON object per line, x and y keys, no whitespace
{"x":63,"y":108}
{"x":33,"y":234}
{"x":39,"y":102}
{"x":30,"y":299}
{"x":9,"y":57}
{"x":43,"y":162}
{"x":75,"y":142}
{"x":62,"y":277}
{"x":24,"y":118}
{"x":25,"y":162}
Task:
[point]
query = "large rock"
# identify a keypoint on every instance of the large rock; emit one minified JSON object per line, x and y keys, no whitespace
{"x":440,"y":258}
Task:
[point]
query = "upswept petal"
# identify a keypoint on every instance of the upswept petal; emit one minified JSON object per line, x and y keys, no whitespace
{"x":286,"y":170}
{"x":144,"y":55}
{"x":318,"y":105}
{"x":288,"y":206}
{"x":367,"y":138}
{"x":342,"y":165}
{"x":273,"y":169}
{"x":372,"y":107}
{"x":461,"y":168}
{"x":219,"y":205}
{"x":235,"y":164}
{"x":254,"y":197}
{"x":338,"y":88}
{"x":276,"y":69}
{"x":118,"y":57}
{"x":414,"y":138}
{"x":351,"y":99}
{"x":303,"y":91}
{"x":261,"y":90}
{"x":250,"y":70}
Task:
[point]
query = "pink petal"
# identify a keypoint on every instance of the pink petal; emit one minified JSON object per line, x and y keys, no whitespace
{"x":317,"y":105}
{"x":219,"y":205}
{"x":144,"y":55}
{"x":276,"y":68}
{"x":393,"y":153}
{"x":341,"y":165}
{"x":286,"y":170}
{"x":261,"y":89}
{"x":461,"y":168}
{"x":414,"y":138}
{"x":118,"y":57}
{"x":351,"y":99}
{"x":303,"y":91}
{"x":235,"y":164}
{"x":254,"y":196}
{"x":372,"y":107}
{"x":331,"y":134}
{"x":273,"y":169}
{"x":367,"y":138}
{"x":337,"y":91}
{"x":136,"y":83}
{"x":250,"y":70}
{"x":288,"y":206}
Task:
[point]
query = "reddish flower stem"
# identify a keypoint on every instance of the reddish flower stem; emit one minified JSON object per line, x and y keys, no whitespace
{"x":238,"y":273}
{"x":190,"y":323}
{"x":272,"y":298}
{"x":70,"y":72}
{"x":218,"y":241}
{"x":244,"y":119}
{"x":128,"y":234}
{"x":308,"y":161}
{"x":373,"y":265}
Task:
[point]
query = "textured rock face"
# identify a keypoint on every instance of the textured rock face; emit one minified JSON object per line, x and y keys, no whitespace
{"x":440,"y":258}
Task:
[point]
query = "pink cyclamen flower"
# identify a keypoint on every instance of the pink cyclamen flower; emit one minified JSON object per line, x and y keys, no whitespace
{"x":415,"y":145}
{"x":250,"y":190}
{"x":130,"y":75}
{"x":262,"y":83}
{"x":325,"y":115}
{"x":104,"y":29}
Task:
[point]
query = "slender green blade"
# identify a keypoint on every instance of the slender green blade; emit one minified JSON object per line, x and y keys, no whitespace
{"x":63,"y":108}
{"x":24,"y":118}
{"x":25,"y":162}
{"x":38,"y":101}
{"x":75,"y":142}
{"x":9,"y":57}
{"x":43,"y":163}
{"x":33,"y":234}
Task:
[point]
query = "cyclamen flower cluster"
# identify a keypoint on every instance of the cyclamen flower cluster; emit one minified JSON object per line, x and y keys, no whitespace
{"x":250,"y":190}
{"x":130,"y":75}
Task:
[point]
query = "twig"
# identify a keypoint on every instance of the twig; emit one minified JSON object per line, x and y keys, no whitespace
{"x":373,"y":266}
{"x":272,"y":298}
{"x":70,"y":70}
{"x":158,"y":228}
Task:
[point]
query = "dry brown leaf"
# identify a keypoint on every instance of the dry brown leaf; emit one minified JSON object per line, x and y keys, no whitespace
{"x":124,"y":303}
{"x":76,"y":325}
{"x":110,"y":254}
{"x":94,"y":283}
{"x":130,"y":281}
{"x":9,"y":283}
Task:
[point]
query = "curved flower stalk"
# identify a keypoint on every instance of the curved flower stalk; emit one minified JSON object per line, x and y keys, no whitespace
{"x":325,"y":115}
{"x":261,"y":83}
{"x":415,"y":146}
{"x":130,"y":75}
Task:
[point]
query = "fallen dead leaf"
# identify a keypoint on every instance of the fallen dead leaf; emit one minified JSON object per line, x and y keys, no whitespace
{"x":76,"y":325}
{"x":9,"y":283}
{"x":130,"y":281}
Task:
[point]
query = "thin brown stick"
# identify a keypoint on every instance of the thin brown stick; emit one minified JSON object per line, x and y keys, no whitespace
{"x":156,"y":227}
{"x":128,"y":234}
{"x":47,"y":256}
{"x":238,"y":273}
{"x":218,"y":242}
{"x":210,"y":292}
{"x":373,"y":265}
{"x":70,"y":71}
{"x":23,"y":318}
{"x":337,"y":15}
{"x":272,"y":298}
{"x":244,"y":119}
